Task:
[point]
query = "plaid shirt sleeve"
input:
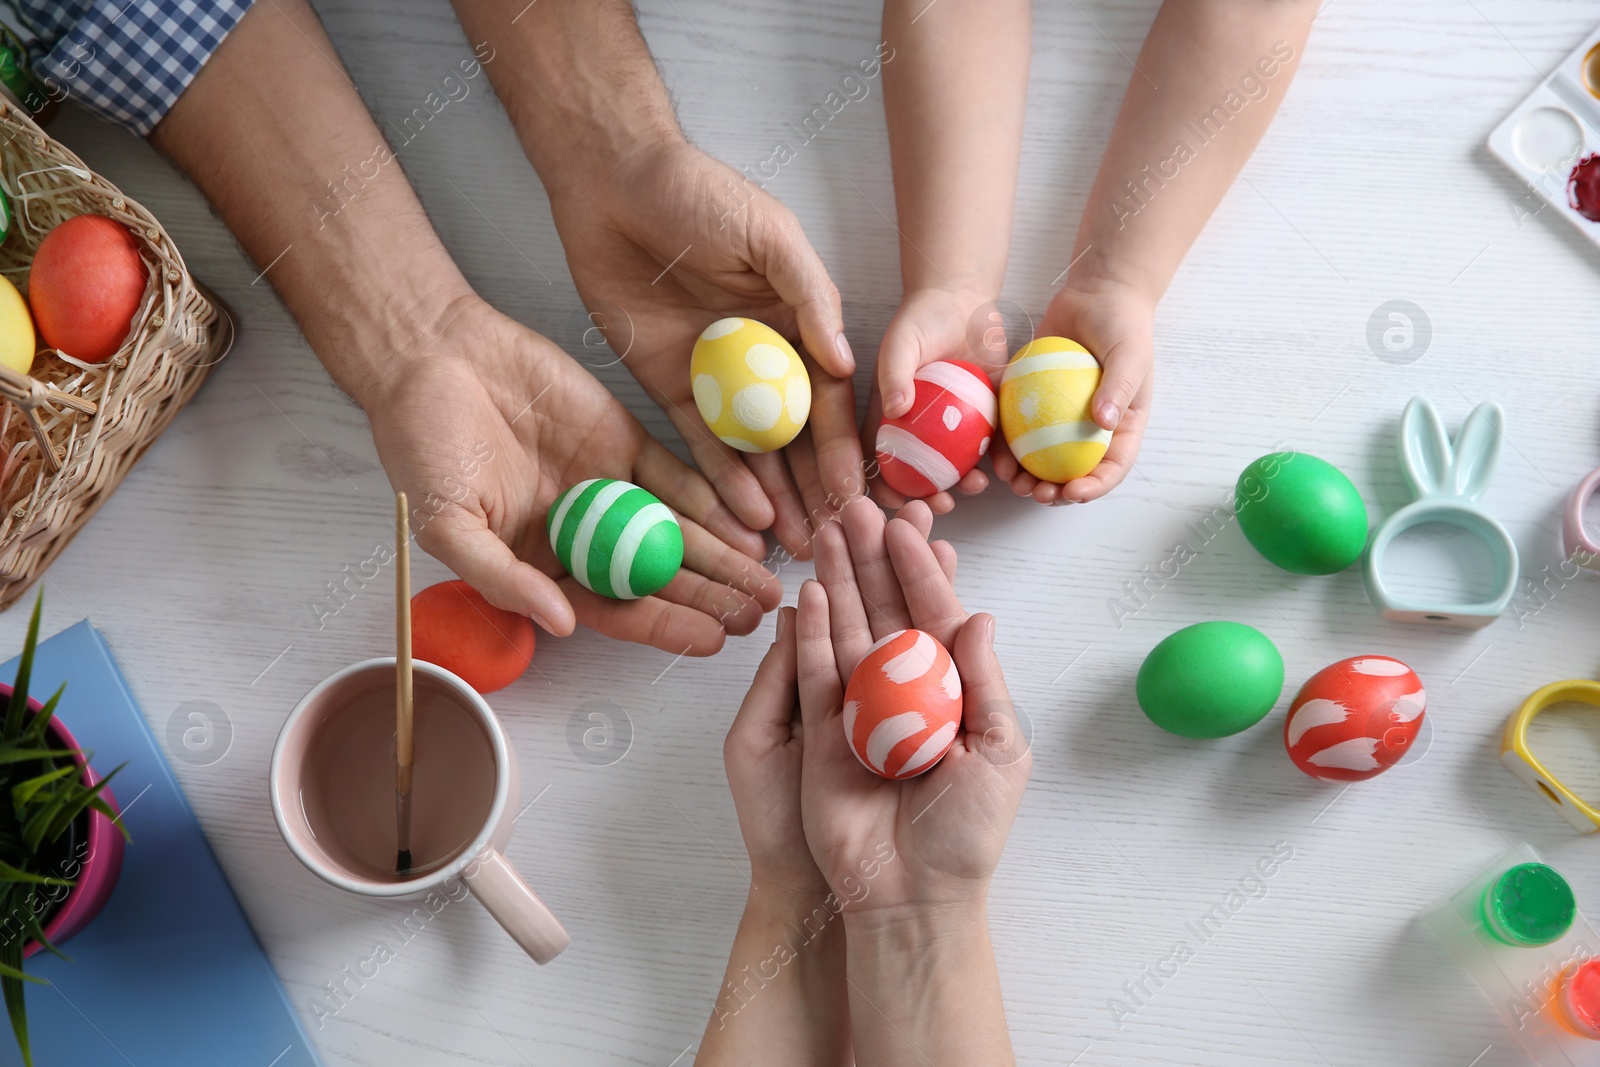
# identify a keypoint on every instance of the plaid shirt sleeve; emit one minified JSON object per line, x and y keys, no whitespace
{"x":126,"y":60}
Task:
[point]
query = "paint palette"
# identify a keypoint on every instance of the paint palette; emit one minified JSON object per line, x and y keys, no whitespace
{"x":1515,"y":929}
{"x":1552,"y":139}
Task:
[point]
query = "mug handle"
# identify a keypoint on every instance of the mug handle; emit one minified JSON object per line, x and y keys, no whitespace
{"x":515,"y":906}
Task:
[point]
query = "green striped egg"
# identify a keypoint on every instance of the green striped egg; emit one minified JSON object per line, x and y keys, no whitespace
{"x":615,"y":538}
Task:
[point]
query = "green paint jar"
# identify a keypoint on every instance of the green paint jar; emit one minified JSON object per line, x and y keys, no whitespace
{"x":1529,"y":905}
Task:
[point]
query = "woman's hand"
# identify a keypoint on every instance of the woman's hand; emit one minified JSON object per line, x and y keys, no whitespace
{"x":762,"y":755}
{"x":937,"y":837}
{"x":912,"y":859}
{"x":484,"y":422}
{"x":794,"y":1009}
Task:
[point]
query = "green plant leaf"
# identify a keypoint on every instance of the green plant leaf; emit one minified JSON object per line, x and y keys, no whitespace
{"x":9,"y":873}
{"x":36,"y":933}
{"x":11,"y":984}
{"x":99,"y":804}
{"x":41,"y":722}
{"x":26,"y":791}
{"x":17,"y":755}
{"x":19,"y":685}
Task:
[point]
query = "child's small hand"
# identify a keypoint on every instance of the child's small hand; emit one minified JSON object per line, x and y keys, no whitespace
{"x":932,"y":324}
{"x":1116,"y":323}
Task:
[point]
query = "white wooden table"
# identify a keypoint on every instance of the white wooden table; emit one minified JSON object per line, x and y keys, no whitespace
{"x":1372,"y":185}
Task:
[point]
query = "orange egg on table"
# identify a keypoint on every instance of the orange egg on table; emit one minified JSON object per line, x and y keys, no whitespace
{"x":85,"y":286}
{"x":903,"y":705}
{"x":453,"y":626}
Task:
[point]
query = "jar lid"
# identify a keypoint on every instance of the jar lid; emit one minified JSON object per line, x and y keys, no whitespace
{"x":1529,"y":904}
{"x":1580,"y":998}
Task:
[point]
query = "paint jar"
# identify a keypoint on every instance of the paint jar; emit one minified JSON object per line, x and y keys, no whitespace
{"x":1579,"y":998}
{"x":1529,"y":905}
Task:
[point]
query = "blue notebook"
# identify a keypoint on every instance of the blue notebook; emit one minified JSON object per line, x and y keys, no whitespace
{"x":170,"y":973}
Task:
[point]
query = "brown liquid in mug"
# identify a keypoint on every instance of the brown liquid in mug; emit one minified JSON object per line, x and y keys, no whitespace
{"x":348,"y":789}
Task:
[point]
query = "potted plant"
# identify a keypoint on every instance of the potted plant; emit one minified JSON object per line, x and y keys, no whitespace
{"x":61,"y":835}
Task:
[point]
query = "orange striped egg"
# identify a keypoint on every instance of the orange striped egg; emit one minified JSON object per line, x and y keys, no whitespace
{"x":903,"y":705}
{"x":1355,"y":719}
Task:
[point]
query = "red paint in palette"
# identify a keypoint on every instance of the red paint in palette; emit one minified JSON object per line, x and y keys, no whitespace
{"x":1583,"y":187}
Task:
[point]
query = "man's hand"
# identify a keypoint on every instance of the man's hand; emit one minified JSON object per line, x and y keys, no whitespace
{"x":488,"y":422}
{"x":665,"y":242}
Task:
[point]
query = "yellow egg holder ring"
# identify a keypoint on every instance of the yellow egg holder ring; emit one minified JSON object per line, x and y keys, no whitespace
{"x":1520,"y":760}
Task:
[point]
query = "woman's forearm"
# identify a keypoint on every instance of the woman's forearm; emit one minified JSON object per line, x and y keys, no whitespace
{"x":955,"y":89}
{"x":782,"y":1000}
{"x":274,"y":133}
{"x":1206,"y":86}
{"x":924,"y":989}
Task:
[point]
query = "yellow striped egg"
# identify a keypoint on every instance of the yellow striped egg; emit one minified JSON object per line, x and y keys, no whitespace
{"x":749,"y":384}
{"x":1044,"y":409}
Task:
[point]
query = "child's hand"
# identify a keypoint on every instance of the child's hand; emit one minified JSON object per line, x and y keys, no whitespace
{"x":762,"y":758}
{"x":931,"y":841}
{"x":932,"y":324}
{"x":1116,"y":323}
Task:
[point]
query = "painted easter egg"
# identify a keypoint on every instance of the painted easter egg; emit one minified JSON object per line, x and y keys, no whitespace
{"x":749,"y":384}
{"x":85,"y":285}
{"x":453,"y":626}
{"x":1044,"y":409}
{"x":1354,"y":719}
{"x":17,"y":342}
{"x":903,"y":705}
{"x":1211,"y":679}
{"x":615,"y":538}
{"x":929,"y":448}
{"x":1301,"y":513}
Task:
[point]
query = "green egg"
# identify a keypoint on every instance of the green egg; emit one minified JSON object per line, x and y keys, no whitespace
{"x":615,"y":538}
{"x":1301,"y":513}
{"x":1211,"y":679}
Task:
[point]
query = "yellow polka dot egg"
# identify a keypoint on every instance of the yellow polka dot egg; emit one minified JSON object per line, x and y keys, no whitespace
{"x":1044,"y":409}
{"x":749,"y":384}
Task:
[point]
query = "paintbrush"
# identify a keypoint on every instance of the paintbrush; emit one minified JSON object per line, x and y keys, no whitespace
{"x":404,"y":753}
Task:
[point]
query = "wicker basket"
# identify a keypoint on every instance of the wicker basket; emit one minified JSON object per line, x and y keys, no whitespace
{"x":179,"y":334}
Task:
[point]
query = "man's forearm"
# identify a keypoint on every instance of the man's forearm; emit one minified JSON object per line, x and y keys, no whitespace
{"x":577,"y":81}
{"x":924,"y":989}
{"x":955,"y":90}
{"x":782,"y":1000}
{"x":1208,"y":81}
{"x":273,"y":132}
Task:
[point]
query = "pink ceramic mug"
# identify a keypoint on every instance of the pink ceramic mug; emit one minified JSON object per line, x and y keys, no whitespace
{"x":481,"y":864}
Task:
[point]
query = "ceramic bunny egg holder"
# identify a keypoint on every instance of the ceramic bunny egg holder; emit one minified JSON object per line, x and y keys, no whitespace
{"x":1575,"y":537}
{"x":1447,"y":478}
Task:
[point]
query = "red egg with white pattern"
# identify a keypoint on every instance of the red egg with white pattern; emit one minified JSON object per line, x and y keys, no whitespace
{"x":903,"y":705}
{"x":929,"y":448}
{"x":1355,"y":719}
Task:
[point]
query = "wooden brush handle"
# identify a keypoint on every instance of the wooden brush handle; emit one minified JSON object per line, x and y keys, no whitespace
{"x":404,"y":752}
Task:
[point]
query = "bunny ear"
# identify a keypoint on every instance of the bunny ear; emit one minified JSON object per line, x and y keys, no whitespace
{"x":1477,"y":449}
{"x":1424,"y":448}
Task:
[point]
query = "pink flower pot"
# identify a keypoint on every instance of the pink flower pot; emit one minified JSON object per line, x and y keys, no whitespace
{"x":95,"y":862}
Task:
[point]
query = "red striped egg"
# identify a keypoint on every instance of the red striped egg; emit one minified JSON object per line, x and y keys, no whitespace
{"x":1355,"y":719}
{"x":946,"y":432}
{"x":903,"y":705}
